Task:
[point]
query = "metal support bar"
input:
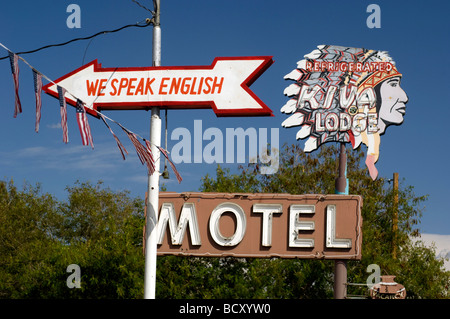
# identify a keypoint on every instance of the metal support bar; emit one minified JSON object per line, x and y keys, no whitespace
{"x":340,"y":279}
{"x":341,"y":184}
{"x":153,"y":179}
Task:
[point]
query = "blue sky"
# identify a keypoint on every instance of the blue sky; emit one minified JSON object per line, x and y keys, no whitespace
{"x":416,"y":34}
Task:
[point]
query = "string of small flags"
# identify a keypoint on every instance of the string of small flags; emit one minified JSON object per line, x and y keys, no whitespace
{"x":144,"y":152}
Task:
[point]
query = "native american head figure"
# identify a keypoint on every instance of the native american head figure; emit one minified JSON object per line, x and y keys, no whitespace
{"x":344,"y":94}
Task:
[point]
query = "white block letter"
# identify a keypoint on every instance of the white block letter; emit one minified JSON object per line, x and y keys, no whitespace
{"x":241,"y":224}
{"x":295,"y":225}
{"x":267,"y":210}
{"x":177,"y":230}
{"x":332,"y":241}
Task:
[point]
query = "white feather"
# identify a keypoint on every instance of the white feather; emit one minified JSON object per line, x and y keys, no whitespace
{"x":304,"y":132}
{"x":310,"y":144}
{"x":292,"y":89}
{"x":314,"y":54}
{"x":289,"y":107}
{"x":293,"y":75}
{"x":293,"y":120}
{"x":301,"y":64}
{"x":358,"y":140}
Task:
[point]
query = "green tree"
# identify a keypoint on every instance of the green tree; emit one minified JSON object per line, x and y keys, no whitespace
{"x":27,"y":223}
{"x":300,"y":173}
{"x":101,"y":231}
{"x":96,"y":228}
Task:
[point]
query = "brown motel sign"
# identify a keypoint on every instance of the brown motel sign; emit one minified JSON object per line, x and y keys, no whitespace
{"x":260,"y":225}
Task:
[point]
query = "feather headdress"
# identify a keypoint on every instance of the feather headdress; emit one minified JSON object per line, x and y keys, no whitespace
{"x":327,"y":81}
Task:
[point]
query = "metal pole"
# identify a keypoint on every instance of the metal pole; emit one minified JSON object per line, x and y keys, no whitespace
{"x":341,"y":184}
{"x":340,"y":266}
{"x":153,"y":179}
{"x":340,"y":279}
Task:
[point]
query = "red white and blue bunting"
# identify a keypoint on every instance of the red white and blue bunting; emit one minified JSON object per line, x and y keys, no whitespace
{"x":143,"y":151}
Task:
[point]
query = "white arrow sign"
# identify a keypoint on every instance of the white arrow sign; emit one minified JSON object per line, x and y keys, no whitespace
{"x":223,"y":86}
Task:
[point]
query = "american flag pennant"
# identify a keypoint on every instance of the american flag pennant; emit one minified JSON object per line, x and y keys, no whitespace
{"x":37,"y":78}
{"x":164,"y":152}
{"x":63,"y":109}
{"x":149,"y":150}
{"x":85,"y":130}
{"x":14,"y":59}
{"x":150,"y":154}
{"x":143,"y":153}
{"x":119,"y":144}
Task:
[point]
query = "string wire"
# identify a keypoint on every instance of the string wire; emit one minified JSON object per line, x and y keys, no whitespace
{"x":142,"y":24}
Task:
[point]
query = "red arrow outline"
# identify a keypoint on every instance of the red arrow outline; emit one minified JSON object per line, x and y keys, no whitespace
{"x":264,"y":111}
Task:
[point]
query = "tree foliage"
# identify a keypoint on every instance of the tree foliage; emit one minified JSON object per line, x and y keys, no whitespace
{"x":100,"y":230}
{"x":299,"y":173}
{"x":97,"y":229}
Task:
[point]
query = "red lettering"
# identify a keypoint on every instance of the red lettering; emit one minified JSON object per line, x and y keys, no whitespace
{"x":208,"y":86}
{"x":192,"y":87}
{"x":358,"y":66}
{"x":389,"y":66}
{"x":123,"y":84}
{"x":113,"y":85}
{"x":163,"y":85}
{"x":131,"y":86}
{"x":91,"y":87}
{"x":148,"y":87}
{"x":102,"y":87}
{"x":200,"y":85}
{"x":330,"y":67}
{"x":185,"y":87}
{"x":366,"y":67}
{"x":316,"y":66}
{"x":351,"y":66}
{"x":175,"y":85}
{"x":140,"y":87}
{"x":217,"y":85}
